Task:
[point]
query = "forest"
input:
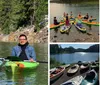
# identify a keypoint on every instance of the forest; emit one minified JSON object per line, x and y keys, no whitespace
{"x":21,"y":13}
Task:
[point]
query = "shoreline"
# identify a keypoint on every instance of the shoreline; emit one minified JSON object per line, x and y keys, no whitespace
{"x":33,"y":37}
{"x":75,"y":35}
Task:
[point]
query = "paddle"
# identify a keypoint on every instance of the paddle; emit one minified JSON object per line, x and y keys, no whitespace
{"x":14,"y":58}
{"x":42,"y":61}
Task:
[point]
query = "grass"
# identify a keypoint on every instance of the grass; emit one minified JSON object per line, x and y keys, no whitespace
{"x":54,"y":63}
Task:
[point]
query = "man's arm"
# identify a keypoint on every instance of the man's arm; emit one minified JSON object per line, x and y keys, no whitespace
{"x":13,"y":52}
{"x":33,"y":55}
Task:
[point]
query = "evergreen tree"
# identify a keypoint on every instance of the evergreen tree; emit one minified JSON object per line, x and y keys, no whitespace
{"x":21,"y":13}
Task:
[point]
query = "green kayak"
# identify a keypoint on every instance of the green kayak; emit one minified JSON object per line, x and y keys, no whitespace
{"x":15,"y":66}
{"x":22,"y":64}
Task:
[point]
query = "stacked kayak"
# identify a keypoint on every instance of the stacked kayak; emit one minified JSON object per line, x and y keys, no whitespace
{"x":74,"y":81}
{"x":73,"y":69}
{"x":56,"y":73}
{"x":66,"y":66}
{"x":91,"y":23}
{"x":91,"y":78}
{"x":94,"y":65}
{"x":65,"y":29}
{"x":80,"y":27}
{"x":84,"y":66}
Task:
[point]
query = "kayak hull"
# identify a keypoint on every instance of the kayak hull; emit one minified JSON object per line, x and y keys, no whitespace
{"x":24,"y":65}
{"x":52,"y":26}
{"x":73,"y":69}
{"x":91,"y":23}
{"x":83,"y":29}
{"x":66,"y":30}
{"x":74,"y":81}
{"x":55,"y":76}
{"x":84,"y":68}
{"x":89,"y":80}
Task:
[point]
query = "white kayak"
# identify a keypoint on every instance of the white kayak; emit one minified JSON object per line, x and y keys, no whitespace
{"x":84,"y":66}
{"x":52,"y":70}
{"x":66,"y":66}
{"x":74,"y":81}
{"x":73,"y":69}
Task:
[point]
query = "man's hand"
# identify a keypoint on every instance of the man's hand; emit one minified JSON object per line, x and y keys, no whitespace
{"x":31,"y":60}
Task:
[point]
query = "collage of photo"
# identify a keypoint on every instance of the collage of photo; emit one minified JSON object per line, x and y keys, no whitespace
{"x":49,"y":42}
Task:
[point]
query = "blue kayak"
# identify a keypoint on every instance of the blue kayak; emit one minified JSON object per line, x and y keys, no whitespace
{"x":91,"y":78}
{"x":80,"y":27}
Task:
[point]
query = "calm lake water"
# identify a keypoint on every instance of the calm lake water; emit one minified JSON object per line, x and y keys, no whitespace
{"x":57,"y":9}
{"x":75,"y":57}
{"x":38,"y":76}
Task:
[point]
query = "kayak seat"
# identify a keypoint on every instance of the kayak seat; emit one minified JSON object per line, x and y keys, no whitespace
{"x":63,"y":28}
{"x":73,"y":67}
{"x":69,"y":83}
{"x":90,"y":76}
{"x":79,"y":25}
{"x":20,"y":65}
{"x":85,"y":64}
{"x":93,"y":63}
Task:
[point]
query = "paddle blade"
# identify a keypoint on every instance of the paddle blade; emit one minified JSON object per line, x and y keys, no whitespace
{"x":13,"y":58}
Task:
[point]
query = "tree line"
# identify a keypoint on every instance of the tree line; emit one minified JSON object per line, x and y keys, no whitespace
{"x":56,"y":49}
{"x":21,"y":13}
{"x":73,"y":1}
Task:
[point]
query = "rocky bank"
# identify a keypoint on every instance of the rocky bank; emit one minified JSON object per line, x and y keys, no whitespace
{"x":33,"y":37}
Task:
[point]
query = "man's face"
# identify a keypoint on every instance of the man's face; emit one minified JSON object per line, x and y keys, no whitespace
{"x":22,"y":40}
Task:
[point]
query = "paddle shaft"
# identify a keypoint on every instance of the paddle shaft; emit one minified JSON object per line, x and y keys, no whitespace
{"x":4,"y":61}
{"x":42,"y":61}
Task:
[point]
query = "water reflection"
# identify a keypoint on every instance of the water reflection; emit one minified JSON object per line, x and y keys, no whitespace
{"x":21,"y":77}
{"x":82,"y":53}
{"x":75,"y":57}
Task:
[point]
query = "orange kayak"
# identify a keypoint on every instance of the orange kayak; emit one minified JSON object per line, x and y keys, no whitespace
{"x":52,"y":26}
{"x":91,"y":23}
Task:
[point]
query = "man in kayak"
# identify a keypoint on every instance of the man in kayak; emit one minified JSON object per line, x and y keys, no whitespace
{"x":90,"y":19}
{"x":86,"y":17}
{"x":23,"y":50}
{"x":55,"y":21}
{"x":64,"y":17}
{"x":79,"y":23}
{"x":79,"y":15}
{"x":71,"y":15}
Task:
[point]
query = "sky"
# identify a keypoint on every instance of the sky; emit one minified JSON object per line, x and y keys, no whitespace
{"x":84,"y":46}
